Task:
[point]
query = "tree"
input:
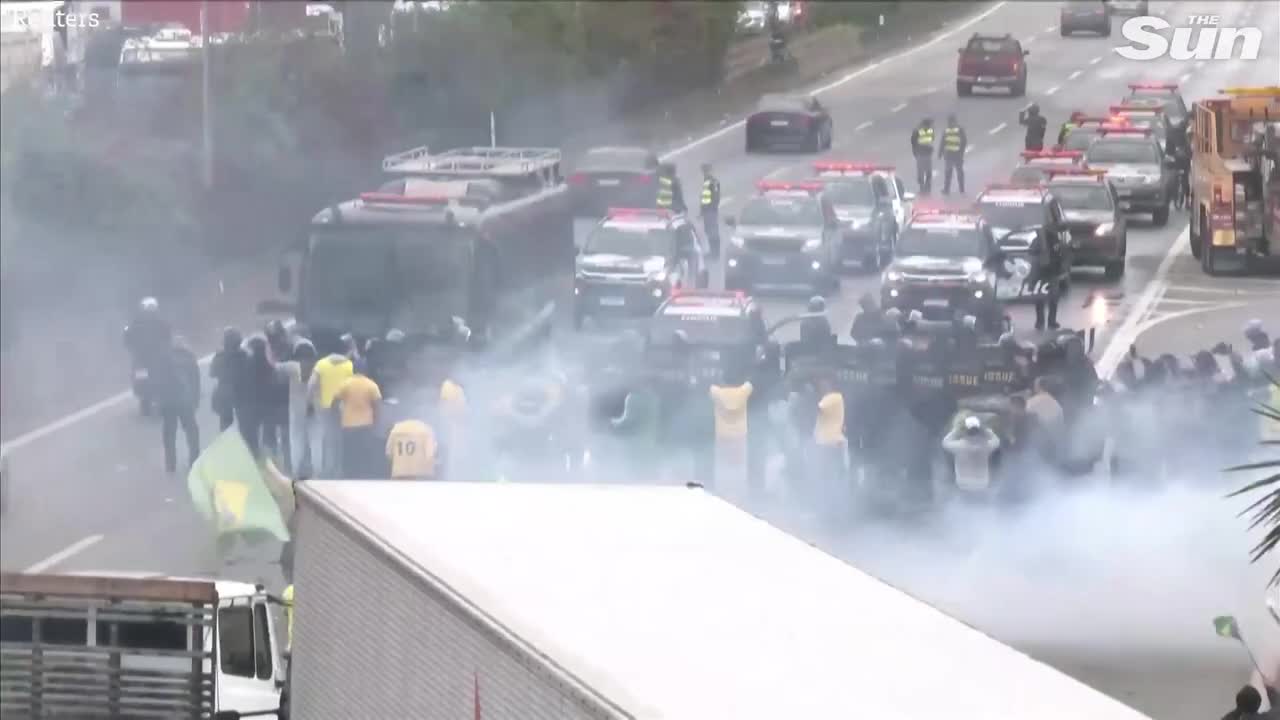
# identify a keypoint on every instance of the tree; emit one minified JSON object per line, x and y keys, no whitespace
{"x":1265,"y":510}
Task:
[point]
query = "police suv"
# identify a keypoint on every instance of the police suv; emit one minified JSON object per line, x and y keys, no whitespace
{"x":869,"y":201}
{"x":1035,"y":248}
{"x":943,"y":268}
{"x":632,"y":260}
{"x":787,"y":235}
{"x":696,"y":335}
{"x":1136,"y":164}
{"x":1098,"y":228}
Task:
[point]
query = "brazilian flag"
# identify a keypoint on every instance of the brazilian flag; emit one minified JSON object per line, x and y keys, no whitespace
{"x":1227,"y":627}
{"x":228,"y":487}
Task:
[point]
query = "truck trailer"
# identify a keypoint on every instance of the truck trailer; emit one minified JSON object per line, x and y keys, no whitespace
{"x":137,"y":645}
{"x":564,"y":602}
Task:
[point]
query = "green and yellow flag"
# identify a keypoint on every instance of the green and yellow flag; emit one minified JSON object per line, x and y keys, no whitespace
{"x":229,"y":489}
{"x":1226,"y":627}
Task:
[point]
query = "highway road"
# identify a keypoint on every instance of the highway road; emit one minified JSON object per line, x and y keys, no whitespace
{"x":88,"y":492}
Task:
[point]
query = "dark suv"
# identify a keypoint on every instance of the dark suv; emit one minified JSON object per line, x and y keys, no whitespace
{"x":786,"y":235}
{"x":1135,"y":163}
{"x":632,"y":262}
{"x":1085,"y":15}
{"x":862,"y":195}
{"x":1099,"y":230}
{"x":992,"y":61}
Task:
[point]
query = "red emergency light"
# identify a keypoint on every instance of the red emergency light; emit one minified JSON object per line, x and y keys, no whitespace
{"x":767,"y":185}
{"x":1091,"y":120}
{"x":1135,"y":110}
{"x":831,"y":166}
{"x":381,"y":198}
{"x":1125,"y":129}
{"x":662,"y":213}
{"x":1052,"y":154}
{"x":1153,"y":86}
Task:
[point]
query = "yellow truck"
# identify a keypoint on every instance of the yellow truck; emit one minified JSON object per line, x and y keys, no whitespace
{"x":1235,"y":180}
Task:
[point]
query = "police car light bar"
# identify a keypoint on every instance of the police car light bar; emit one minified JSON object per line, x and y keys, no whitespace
{"x":830,"y":166}
{"x":640,"y":212}
{"x":1153,"y":86}
{"x":766,"y":185}
{"x":1052,"y":154}
{"x":680,"y":296}
{"x":1135,"y":110}
{"x":1118,"y":129}
{"x":1019,"y":189}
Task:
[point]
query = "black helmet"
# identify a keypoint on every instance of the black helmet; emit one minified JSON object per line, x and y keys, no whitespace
{"x":231,"y":338}
{"x":1033,"y":109}
{"x":817,"y":304}
{"x":274,"y":329}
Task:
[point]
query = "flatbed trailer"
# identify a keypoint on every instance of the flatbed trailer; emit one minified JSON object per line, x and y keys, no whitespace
{"x":547,"y":601}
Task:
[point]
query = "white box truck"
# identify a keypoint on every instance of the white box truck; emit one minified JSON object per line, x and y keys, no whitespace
{"x":559,"y":602}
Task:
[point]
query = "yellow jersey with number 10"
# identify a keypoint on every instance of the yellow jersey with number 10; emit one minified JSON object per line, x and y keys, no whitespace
{"x":411,"y":448}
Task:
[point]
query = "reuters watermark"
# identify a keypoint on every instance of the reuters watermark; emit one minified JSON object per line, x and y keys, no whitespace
{"x":1201,"y":38}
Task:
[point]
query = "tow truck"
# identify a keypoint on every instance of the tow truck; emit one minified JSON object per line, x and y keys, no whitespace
{"x":1037,"y":164}
{"x":1235,"y":180}
{"x":869,"y":201}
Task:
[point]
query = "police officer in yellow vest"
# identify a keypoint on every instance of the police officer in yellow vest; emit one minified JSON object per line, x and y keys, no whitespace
{"x":954,"y":143}
{"x":1068,"y":126}
{"x":922,"y":149}
{"x":710,"y":204}
{"x":670,"y":194}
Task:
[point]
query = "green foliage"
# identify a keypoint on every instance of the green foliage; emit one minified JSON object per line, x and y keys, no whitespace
{"x":1266,"y":510}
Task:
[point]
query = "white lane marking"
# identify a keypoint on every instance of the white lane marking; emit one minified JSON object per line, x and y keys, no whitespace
{"x":1050,"y":28}
{"x":1128,"y":332}
{"x":863,"y":125}
{"x":65,"y":554}
{"x":997,"y":128}
{"x":1075,"y":74}
{"x":1096,"y":60}
{"x":969,"y":148}
{"x":898,"y":107}
{"x":672,"y":154}
{"x":778,"y":172}
{"x":930,"y":90}
{"x":1029,"y":40}
{"x":1053,"y":90}
{"x":1183,"y":78}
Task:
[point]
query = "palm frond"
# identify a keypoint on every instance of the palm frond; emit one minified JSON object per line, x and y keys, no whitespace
{"x":1265,"y":511}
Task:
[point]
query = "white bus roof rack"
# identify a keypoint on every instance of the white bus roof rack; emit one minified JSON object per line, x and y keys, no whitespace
{"x":475,"y":162}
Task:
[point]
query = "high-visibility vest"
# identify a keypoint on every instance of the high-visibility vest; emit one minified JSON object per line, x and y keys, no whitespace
{"x":708,"y":192}
{"x":951,"y":140}
{"x":666,"y":192}
{"x":332,"y":376}
{"x":924,"y":136}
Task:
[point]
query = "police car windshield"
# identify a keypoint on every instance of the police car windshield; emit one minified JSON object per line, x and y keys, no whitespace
{"x":1082,"y":197}
{"x":1116,"y":150}
{"x":632,"y":241}
{"x":782,"y":210}
{"x":854,"y":192}
{"x":1012,"y":215}
{"x":1148,"y":98}
{"x":367,"y":277}
{"x":712,"y":327}
{"x":941,"y":241}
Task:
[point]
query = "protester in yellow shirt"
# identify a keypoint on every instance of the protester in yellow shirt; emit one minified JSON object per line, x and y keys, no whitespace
{"x":828,"y":431}
{"x":359,"y":403}
{"x":327,"y":376}
{"x":730,"y":403}
{"x":411,"y":448}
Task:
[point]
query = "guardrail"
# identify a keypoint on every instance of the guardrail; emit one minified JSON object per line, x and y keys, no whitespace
{"x":21,"y":54}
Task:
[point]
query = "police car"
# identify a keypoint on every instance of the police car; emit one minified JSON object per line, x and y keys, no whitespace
{"x":1135,"y":163}
{"x":943,"y":268}
{"x":697,"y":334}
{"x":1037,"y":164}
{"x":1086,"y":130}
{"x":631,"y":262}
{"x":869,"y":201}
{"x":1142,"y":117}
{"x":787,"y":235}
{"x":1162,"y":95}
{"x":1094,"y":218}
{"x":1029,"y":227}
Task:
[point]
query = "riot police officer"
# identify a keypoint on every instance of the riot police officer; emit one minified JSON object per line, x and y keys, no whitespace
{"x":710,"y":205}
{"x":815,"y":329}
{"x":1035,"y":124}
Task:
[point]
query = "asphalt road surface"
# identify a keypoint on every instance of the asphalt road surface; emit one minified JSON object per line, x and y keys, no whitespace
{"x":88,"y":493}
